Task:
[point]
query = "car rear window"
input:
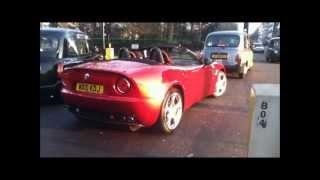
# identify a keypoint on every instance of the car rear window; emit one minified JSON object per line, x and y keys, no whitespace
{"x":78,"y":46}
{"x":223,"y":40}
{"x":276,"y":43}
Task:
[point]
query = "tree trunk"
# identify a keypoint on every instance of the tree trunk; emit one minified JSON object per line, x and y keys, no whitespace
{"x":171,"y":31}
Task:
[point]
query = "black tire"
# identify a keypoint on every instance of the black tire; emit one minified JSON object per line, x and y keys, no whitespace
{"x":161,"y":124}
{"x":269,"y":59}
{"x":241,"y":75}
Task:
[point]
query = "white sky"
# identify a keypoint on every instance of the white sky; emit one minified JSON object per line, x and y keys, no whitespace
{"x":252,"y":27}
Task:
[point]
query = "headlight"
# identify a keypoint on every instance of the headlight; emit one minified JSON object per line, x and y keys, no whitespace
{"x":276,"y":51}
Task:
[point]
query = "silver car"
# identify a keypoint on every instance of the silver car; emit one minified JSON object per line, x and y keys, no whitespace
{"x":258,"y":47}
{"x":230,"y":48}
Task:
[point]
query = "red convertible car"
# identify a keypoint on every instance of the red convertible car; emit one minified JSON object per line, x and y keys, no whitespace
{"x":144,"y":91}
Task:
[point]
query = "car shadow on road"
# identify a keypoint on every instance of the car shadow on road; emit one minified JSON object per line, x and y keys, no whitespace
{"x":88,"y":124}
{"x":233,"y":76}
{"x":49,"y":102}
{"x":73,"y":124}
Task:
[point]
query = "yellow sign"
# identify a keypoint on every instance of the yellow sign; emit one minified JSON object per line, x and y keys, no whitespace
{"x":109,"y":54}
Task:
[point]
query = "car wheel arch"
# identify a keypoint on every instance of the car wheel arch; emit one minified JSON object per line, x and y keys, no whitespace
{"x":220,"y":67}
{"x":181,"y":89}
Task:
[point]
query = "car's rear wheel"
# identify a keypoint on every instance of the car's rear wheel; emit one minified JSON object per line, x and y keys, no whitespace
{"x":171,"y":111}
{"x":268,"y":59}
{"x":243,"y":73}
{"x":221,"y":84}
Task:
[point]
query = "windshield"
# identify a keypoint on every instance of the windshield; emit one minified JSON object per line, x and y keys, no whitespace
{"x":223,"y":40}
{"x":182,"y":56}
{"x":77,"y":47}
{"x":49,"y":45}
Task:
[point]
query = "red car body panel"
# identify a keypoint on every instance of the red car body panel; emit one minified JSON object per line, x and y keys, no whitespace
{"x":149,"y":84}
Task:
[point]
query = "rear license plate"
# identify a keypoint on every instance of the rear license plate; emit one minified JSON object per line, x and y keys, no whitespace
{"x":90,"y":88}
{"x":219,"y":56}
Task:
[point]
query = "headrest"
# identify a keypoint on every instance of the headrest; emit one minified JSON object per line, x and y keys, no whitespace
{"x":156,"y":54}
{"x":166,"y":58}
{"x":124,"y":53}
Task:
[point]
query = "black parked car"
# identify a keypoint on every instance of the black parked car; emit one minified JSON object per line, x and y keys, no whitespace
{"x":60,"y":47}
{"x":272,"y":50}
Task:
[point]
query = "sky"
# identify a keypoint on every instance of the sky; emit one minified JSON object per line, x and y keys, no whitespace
{"x":252,"y":26}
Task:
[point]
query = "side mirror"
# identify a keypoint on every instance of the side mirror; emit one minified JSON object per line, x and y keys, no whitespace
{"x":207,"y":61}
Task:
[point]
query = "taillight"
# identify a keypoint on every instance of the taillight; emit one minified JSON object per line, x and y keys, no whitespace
{"x":123,"y":86}
{"x":59,"y":69}
{"x":65,"y":80}
{"x":238,"y":59}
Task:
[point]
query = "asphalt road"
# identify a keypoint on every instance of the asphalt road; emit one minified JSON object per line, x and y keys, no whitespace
{"x":211,"y":128}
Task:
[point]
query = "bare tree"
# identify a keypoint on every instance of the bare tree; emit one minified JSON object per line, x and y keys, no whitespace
{"x":171,"y":31}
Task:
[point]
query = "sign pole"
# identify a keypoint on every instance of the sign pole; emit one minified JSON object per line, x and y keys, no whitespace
{"x":104,"y":45}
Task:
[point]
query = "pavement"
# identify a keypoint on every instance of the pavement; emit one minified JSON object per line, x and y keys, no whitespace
{"x":214,"y":127}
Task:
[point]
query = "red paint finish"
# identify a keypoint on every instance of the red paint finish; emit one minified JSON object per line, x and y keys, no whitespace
{"x":149,"y":84}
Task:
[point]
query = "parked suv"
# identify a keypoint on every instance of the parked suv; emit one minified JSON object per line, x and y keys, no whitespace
{"x":272,"y":50}
{"x":230,"y":48}
{"x":59,"y":47}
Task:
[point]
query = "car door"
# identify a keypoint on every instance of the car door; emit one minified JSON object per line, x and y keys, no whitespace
{"x":196,"y":78}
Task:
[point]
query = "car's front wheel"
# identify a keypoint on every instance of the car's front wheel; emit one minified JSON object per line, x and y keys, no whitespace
{"x":221,"y":84}
{"x":171,"y":111}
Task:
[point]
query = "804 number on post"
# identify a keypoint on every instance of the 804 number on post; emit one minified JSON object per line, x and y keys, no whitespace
{"x":263,"y":112}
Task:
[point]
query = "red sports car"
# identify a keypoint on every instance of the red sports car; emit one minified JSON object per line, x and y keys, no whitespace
{"x":144,"y":91}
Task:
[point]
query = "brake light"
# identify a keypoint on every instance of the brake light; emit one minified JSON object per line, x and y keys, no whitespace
{"x":59,"y":69}
{"x":238,"y":59}
{"x":123,"y":86}
{"x":65,"y":80}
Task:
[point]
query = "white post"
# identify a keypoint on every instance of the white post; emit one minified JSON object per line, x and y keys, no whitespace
{"x":103,"y":33}
{"x":264,"y":114}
